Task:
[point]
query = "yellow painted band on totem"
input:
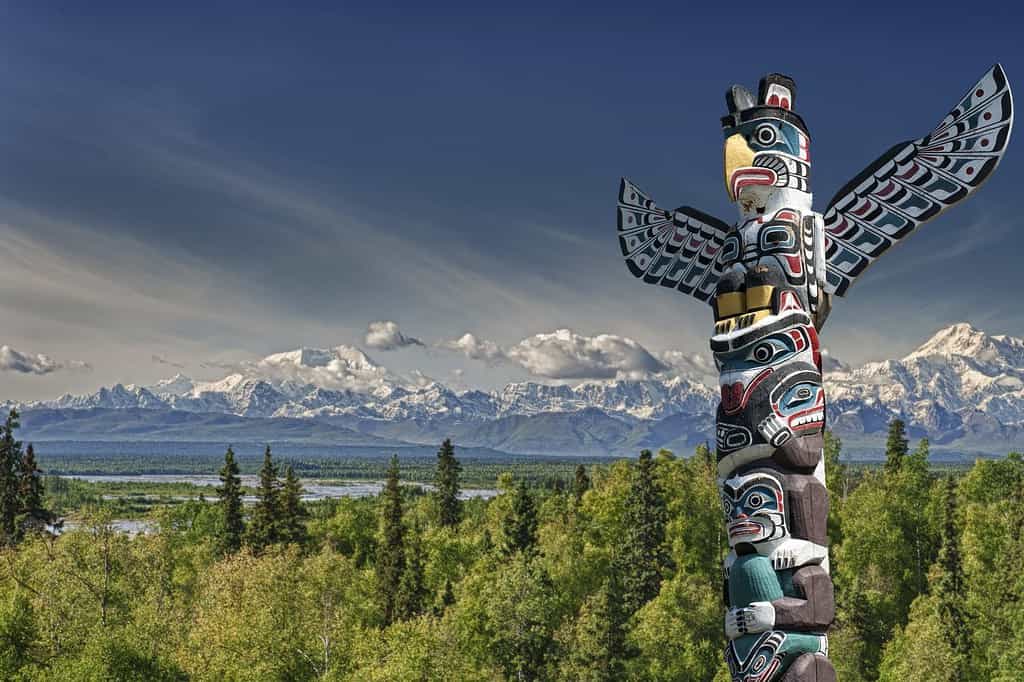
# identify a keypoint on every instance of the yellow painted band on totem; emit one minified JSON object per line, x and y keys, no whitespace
{"x":731,"y":303}
{"x":759,"y":297}
{"x":749,"y":319}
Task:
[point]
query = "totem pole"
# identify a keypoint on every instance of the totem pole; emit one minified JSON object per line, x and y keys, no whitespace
{"x":770,"y":279}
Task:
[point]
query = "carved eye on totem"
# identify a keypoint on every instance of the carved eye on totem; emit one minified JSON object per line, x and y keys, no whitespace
{"x":763,"y":352}
{"x":755,"y":500}
{"x":765,"y":135}
{"x":801,"y":395}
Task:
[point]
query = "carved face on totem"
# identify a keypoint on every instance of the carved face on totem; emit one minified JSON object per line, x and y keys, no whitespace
{"x":771,"y":388}
{"x":754,"y":506}
{"x":766,"y":507}
{"x":767,"y":149}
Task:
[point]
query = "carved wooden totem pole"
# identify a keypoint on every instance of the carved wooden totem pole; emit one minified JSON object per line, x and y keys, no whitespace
{"x":770,"y":279}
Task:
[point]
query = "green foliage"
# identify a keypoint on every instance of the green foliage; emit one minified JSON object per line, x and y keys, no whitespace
{"x":351,"y":530}
{"x":113,"y":657}
{"x":230,"y":495}
{"x":265,"y":523}
{"x":17,"y":634}
{"x":293,"y":514}
{"x":412,"y":590}
{"x":890,"y":527}
{"x":594,"y":642}
{"x":510,"y":617}
{"x":22,"y":509}
{"x":837,"y":480}
{"x":10,"y":464}
{"x":643,"y":558}
{"x":391,"y":554}
{"x":446,"y":480}
{"x":896,"y":446}
{"x":949,"y":587}
{"x":580,"y":483}
{"x":913,"y":556}
{"x":519,"y":527}
{"x":920,"y":652}
{"x":678,"y":635}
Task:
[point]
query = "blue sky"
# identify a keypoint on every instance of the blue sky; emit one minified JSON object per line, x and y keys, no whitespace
{"x":213,"y":184}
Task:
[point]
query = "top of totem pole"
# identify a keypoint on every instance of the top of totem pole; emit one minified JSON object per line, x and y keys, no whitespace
{"x":776,"y":98}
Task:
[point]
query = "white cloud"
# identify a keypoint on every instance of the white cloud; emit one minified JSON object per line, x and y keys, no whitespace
{"x":12,"y":360}
{"x":385,"y":335}
{"x":693,"y":366}
{"x":564,"y":354}
{"x":476,"y":348}
{"x":830,"y":363}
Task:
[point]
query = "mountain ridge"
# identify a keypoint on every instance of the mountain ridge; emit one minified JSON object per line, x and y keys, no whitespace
{"x":961,"y":388}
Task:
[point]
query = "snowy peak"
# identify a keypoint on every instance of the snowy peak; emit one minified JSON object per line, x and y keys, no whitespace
{"x":962,"y":339}
{"x":342,"y":368}
{"x":177,"y":385}
{"x":347,"y":356}
{"x":940,"y":386}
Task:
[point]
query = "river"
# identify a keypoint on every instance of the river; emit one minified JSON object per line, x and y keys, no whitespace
{"x":313,"y":489}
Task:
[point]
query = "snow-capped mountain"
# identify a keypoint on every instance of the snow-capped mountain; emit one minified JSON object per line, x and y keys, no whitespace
{"x":962,"y":386}
{"x":958,"y":380}
{"x":344,"y":381}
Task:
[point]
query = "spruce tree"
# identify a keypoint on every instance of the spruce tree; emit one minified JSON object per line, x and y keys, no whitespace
{"x":264,"y":526}
{"x":293,"y":514}
{"x":391,"y":554}
{"x":446,"y":480}
{"x":643,"y":556}
{"x":580,"y":484}
{"x":229,"y":494}
{"x":896,"y":446}
{"x":10,"y":466}
{"x":519,"y":527}
{"x":950,"y":589}
{"x":30,"y":494}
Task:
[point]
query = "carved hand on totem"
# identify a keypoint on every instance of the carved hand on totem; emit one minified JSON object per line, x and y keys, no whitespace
{"x":793,"y":553}
{"x":775,"y":430}
{"x":758,"y":616}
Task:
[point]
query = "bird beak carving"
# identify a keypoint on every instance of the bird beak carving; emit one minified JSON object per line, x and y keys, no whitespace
{"x":740,"y":171}
{"x":737,"y":155}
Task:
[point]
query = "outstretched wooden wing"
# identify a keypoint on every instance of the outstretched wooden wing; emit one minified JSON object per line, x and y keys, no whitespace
{"x":915,"y":181}
{"x":677,"y":249}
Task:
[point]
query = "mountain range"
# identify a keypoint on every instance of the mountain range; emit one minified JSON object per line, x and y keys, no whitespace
{"x":962,"y":388}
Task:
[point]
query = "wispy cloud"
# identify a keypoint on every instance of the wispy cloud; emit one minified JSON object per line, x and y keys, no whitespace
{"x":161,"y":360}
